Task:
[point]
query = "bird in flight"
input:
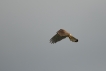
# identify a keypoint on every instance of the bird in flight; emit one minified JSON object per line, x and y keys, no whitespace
{"x":62,"y":34}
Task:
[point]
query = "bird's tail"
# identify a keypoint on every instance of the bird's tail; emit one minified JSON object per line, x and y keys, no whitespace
{"x":73,"y":39}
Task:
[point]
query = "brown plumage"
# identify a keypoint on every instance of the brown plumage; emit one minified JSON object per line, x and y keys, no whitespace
{"x":62,"y":34}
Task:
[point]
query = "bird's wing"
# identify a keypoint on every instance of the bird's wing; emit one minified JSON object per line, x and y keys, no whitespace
{"x":56,"y":38}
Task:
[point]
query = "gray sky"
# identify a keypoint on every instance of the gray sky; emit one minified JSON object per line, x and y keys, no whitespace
{"x":27,"y":25}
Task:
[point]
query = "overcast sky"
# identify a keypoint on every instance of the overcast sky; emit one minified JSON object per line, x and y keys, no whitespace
{"x":26,"y":27}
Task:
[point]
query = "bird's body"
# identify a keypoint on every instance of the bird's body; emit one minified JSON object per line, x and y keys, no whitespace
{"x":62,"y":34}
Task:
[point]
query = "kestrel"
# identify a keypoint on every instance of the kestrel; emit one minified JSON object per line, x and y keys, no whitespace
{"x":62,"y":34}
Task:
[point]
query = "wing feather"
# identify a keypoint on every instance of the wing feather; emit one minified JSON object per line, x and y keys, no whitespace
{"x":56,"y":38}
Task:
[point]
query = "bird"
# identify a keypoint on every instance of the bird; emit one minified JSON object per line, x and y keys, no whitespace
{"x":62,"y":34}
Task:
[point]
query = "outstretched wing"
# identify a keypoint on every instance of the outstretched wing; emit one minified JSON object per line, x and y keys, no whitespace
{"x":56,"y":38}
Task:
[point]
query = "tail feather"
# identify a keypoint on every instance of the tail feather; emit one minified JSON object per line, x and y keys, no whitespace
{"x":73,"y":39}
